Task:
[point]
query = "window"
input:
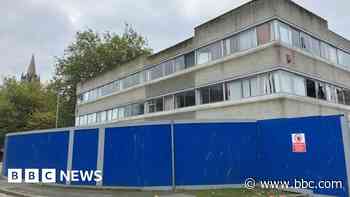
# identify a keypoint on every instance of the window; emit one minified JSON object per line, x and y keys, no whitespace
{"x":344,"y":58}
{"x":109,"y":115}
{"x":179,"y":63}
{"x":107,"y":89}
{"x":347,"y":97}
{"x":310,"y":44}
{"x":247,"y":40}
{"x":185,"y":99}
{"x":92,"y":118}
{"x":315,"y":46}
{"x":103,"y":116}
{"x":285,"y":34}
{"x":211,"y":94}
{"x":99,"y":92}
{"x":264,"y":33}
{"x":92,"y":95}
{"x":168,"y":67}
{"x":260,"y":85}
{"x":155,"y":72}
{"x":189,"y":60}
{"x":286,"y":82}
{"x":168,"y":103}
{"x":128,"y":111}
{"x":299,"y":85}
{"x":254,"y":87}
{"x":209,"y":53}
{"x":289,"y":83}
{"x":231,"y":45}
{"x":121,"y":113}
{"x":83,"y":120}
{"x":246,"y":88}
{"x":331,"y":93}
{"x":264,"y":84}
{"x":205,"y":95}
{"x":131,"y":81}
{"x":340,"y":96}
{"x":115,"y":114}
{"x":295,"y":38}
{"x":155,"y":105}
{"x":234,"y":90}
{"x":328,"y":52}
{"x":321,"y":91}
{"x":305,"y":42}
{"x":310,"y":88}
{"x":137,"y":109}
{"x":116,"y":86}
{"x":98,"y":117}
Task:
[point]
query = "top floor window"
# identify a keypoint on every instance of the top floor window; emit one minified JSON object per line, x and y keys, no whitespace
{"x":244,"y":41}
{"x":285,"y":34}
{"x":155,"y":72}
{"x":328,"y":52}
{"x":344,"y":58}
{"x":132,"y":80}
{"x":209,"y":53}
{"x":189,"y":60}
{"x":264,"y":33}
{"x":310,"y":44}
{"x":168,"y":67}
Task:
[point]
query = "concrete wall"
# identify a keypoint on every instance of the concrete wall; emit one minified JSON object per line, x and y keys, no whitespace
{"x":249,"y":110}
{"x":248,"y":14}
{"x":180,"y":48}
{"x":273,"y":108}
{"x":260,"y":10}
{"x":247,"y":62}
{"x":180,"y":116}
{"x":314,"y":66}
{"x":236,"y":65}
{"x":252,"y":61}
{"x":233,"y":21}
{"x":180,"y":82}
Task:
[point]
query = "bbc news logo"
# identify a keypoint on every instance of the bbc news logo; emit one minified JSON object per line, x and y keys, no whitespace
{"x":52,"y":175}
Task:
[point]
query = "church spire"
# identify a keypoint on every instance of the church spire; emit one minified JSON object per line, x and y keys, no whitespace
{"x":31,"y":72}
{"x":31,"y":68}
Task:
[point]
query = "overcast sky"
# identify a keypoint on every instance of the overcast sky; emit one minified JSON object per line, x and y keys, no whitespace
{"x":46,"y":27}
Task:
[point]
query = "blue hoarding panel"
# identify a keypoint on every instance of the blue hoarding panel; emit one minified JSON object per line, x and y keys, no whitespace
{"x":215,"y":153}
{"x":323,"y":159}
{"x":37,"y":150}
{"x":85,"y":150}
{"x":137,"y":156}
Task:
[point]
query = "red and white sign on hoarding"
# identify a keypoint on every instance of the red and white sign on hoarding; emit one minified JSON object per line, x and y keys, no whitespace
{"x":299,"y":143}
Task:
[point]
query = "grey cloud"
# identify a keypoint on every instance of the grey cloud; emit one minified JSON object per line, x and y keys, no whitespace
{"x":47,"y":27}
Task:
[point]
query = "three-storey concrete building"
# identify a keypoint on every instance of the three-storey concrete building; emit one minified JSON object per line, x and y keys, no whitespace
{"x":265,"y":59}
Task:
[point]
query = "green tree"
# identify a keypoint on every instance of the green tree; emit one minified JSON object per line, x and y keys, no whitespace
{"x":25,"y":106}
{"x":89,"y":55}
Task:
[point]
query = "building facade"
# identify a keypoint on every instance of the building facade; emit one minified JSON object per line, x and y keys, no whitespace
{"x":265,"y":59}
